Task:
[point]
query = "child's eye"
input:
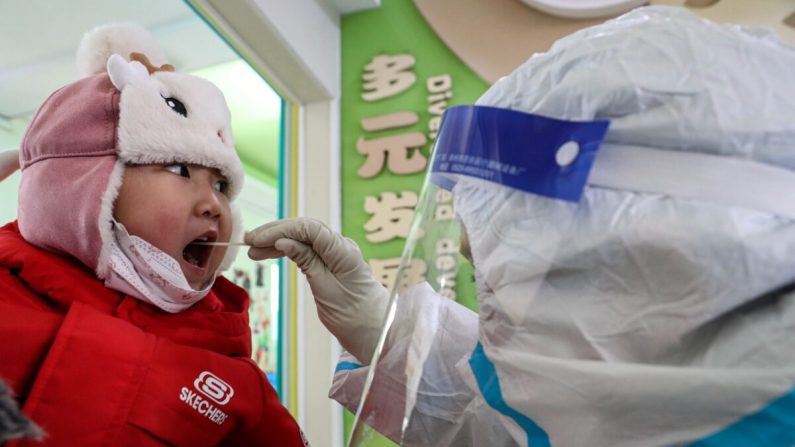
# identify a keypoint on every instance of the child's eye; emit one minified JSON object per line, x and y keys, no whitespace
{"x":222,"y":186}
{"x":179,"y":169}
{"x":176,"y":105}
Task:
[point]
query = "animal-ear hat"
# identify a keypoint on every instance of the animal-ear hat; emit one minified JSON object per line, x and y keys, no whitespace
{"x":129,"y":108}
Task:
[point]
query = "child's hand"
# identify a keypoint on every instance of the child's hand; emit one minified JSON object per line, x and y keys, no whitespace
{"x":350,"y":303}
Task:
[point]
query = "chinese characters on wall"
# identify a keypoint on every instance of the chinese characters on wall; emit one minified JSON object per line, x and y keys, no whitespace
{"x":400,"y":152}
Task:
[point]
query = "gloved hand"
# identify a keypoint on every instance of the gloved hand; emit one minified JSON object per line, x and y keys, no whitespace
{"x":350,"y":303}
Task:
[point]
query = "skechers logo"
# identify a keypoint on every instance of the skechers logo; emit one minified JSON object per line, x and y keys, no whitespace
{"x":216,"y":389}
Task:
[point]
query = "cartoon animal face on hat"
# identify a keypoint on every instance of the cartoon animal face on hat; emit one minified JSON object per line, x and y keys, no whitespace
{"x":127,"y":111}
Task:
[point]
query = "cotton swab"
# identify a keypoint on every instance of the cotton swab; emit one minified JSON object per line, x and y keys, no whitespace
{"x":221,"y":244}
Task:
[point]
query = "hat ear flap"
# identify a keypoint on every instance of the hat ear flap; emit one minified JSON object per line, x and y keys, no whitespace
{"x":9,"y":163}
{"x":122,"y":72}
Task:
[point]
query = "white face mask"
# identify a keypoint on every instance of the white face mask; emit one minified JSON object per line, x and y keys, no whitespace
{"x":143,"y":271}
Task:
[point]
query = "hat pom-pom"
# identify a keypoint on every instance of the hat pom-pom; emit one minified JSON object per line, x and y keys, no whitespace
{"x":103,"y":41}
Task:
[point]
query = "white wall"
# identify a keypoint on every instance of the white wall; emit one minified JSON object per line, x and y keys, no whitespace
{"x":311,"y":30}
{"x":297,"y":44}
{"x":320,"y":199}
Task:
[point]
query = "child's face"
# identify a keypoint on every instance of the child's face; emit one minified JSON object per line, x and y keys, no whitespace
{"x":171,"y":206}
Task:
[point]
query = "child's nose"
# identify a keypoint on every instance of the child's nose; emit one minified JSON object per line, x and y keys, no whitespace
{"x":209,"y":204}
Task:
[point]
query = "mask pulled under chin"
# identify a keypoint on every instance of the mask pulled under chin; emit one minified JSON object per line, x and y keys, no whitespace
{"x":143,"y":271}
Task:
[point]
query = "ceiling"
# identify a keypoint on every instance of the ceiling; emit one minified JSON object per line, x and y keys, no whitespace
{"x":39,"y":38}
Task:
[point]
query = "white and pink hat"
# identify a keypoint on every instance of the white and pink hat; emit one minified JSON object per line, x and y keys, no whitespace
{"x":125,"y":111}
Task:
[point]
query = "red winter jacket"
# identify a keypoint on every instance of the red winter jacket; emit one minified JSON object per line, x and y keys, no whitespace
{"x":93,"y":367}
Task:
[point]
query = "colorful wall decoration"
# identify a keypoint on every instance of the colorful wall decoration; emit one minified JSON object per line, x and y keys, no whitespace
{"x":398,"y":78}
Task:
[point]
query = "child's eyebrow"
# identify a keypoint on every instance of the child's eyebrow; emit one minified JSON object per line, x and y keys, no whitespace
{"x":219,"y":174}
{"x":214,"y":170}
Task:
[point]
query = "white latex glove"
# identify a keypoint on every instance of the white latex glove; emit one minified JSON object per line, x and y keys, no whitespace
{"x":350,"y":303}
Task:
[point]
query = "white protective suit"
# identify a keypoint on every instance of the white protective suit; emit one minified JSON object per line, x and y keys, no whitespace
{"x":657,"y":311}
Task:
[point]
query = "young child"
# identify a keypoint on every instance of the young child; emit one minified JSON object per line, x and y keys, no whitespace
{"x":116,"y":327}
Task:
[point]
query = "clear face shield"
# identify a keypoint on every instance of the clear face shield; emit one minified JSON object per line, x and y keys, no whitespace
{"x":483,"y":177}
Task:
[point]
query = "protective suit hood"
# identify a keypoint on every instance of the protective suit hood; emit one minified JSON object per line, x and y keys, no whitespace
{"x":626,"y":280}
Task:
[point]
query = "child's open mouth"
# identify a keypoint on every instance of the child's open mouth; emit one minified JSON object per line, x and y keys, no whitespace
{"x":197,"y":255}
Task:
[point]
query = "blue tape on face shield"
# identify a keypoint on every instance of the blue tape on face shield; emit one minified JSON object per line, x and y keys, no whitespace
{"x":532,"y":153}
